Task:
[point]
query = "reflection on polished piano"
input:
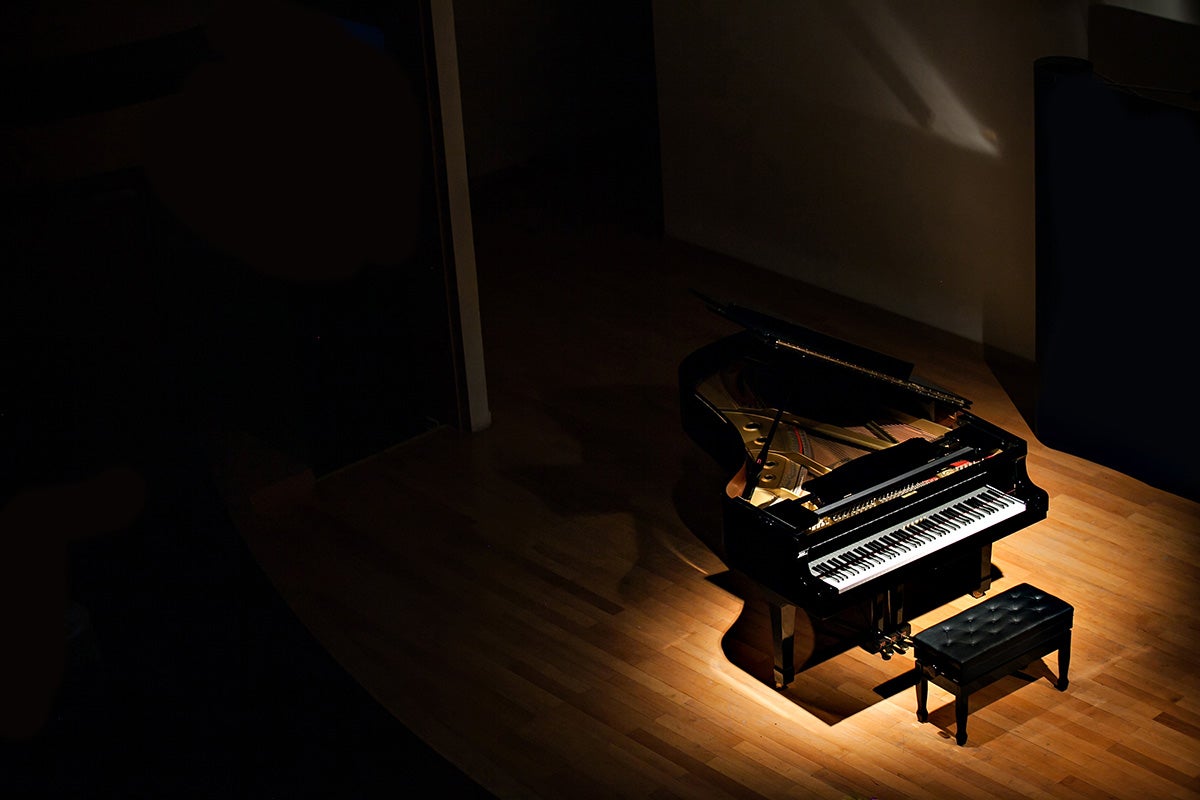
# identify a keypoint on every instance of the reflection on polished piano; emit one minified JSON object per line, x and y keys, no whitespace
{"x":853,"y":483}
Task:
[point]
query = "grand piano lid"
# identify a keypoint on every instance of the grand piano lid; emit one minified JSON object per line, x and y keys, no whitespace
{"x":788,"y":337}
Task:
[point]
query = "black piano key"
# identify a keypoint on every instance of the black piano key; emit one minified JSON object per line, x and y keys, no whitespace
{"x":877,"y":553}
{"x":881,"y":547}
{"x":844,"y":564}
{"x":864,"y":554}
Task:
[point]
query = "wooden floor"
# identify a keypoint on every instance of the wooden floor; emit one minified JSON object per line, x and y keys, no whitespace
{"x":540,"y":604}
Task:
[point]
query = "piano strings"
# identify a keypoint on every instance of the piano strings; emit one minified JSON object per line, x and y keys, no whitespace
{"x":804,"y":446}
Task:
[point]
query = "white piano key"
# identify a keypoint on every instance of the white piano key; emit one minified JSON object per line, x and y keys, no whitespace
{"x":913,"y":539}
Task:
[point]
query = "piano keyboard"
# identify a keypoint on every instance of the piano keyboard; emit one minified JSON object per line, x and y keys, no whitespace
{"x":916,"y":538}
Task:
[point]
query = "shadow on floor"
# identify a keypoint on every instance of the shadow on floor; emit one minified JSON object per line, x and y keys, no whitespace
{"x":190,"y":677}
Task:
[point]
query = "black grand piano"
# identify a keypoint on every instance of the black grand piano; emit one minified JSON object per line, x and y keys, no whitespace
{"x":853,"y":484}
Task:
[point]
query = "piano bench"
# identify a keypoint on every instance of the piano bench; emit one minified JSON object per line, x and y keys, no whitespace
{"x":989,"y":641}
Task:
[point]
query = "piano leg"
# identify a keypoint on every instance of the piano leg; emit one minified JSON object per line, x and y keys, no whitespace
{"x":783,"y":634}
{"x":985,"y":571}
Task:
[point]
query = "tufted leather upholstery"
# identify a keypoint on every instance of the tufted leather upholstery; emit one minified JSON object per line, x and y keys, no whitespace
{"x":979,"y":645}
{"x":974,"y":642}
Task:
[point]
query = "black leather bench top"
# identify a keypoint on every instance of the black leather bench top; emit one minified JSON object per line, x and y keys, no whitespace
{"x":992,"y":633}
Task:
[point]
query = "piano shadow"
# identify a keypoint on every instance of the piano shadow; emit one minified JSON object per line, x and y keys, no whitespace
{"x":615,"y":451}
{"x":611,"y":464}
{"x":836,"y":677}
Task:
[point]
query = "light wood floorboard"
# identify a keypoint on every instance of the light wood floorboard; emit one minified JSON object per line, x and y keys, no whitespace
{"x":538,"y":601}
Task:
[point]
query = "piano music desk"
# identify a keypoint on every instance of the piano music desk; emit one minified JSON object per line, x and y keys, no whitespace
{"x":988,"y":641}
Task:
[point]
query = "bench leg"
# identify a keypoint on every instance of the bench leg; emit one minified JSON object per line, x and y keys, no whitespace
{"x":1064,"y":661}
{"x":922,"y":694}
{"x":960,"y":718}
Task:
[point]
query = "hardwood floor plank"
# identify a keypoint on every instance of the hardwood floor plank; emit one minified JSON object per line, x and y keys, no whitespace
{"x":542,"y":602}
{"x":1175,"y":720}
{"x":1155,"y":766}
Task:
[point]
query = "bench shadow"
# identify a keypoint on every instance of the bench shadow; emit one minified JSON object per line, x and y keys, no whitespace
{"x":979,"y":729}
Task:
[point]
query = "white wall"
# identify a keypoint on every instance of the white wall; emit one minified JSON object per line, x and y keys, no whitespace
{"x":880,"y":149}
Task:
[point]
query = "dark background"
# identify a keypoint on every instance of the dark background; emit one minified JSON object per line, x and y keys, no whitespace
{"x":133,"y":330}
{"x":236,"y":227}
